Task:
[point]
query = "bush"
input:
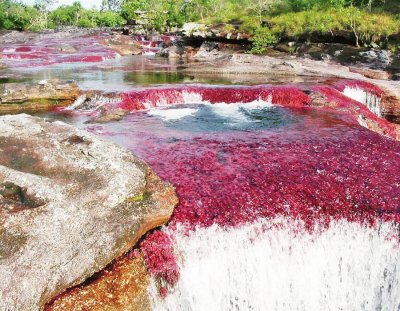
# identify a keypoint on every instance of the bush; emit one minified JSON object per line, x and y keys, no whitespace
{"x":17,"y":16}
{"x":364,"y":26}
{"x":109,"y":19}
{"x":263,"y":39}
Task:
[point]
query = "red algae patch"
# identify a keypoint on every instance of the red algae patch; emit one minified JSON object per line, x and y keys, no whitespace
{"x":341,"y":102}
{"x":56,"y":51}
{"x":315,"y":166}
{"x":242,"y":155}
{"x":283,"y":95}
{"x":160,"y":259}
{"x":321,"y":167}
{"x":341,"y":85}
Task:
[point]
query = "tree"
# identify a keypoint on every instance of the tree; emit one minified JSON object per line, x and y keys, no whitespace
{"x":111,"y":5}
{"x":44,"y":7}
{"x":262,"y":6}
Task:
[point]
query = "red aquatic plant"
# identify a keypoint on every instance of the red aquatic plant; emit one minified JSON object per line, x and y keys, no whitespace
{"x":47,"y":52}
{"x":160,"y":258}
{"x":321,"y":166}
{"x":355,"y":108}
{"x":358,"y":84}
{"x":290,"y":96}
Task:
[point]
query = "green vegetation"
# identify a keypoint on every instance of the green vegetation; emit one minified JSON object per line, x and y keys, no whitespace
{"x":268,"y":21}
{"x":361,"y":21}
{"x":14,"y":15}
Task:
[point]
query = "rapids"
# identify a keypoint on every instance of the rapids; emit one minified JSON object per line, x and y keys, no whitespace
{"x":283,"y":206}
{"x":262,"y":266}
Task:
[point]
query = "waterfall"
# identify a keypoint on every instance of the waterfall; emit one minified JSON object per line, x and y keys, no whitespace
{"x":263,"y":266}
{"x":188,"y":94}
{"x":372,"y":101}
{"x":77,"y":103}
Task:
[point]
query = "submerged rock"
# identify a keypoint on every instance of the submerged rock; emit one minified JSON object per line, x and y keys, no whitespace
{"x":70,"y":204}
{"x":110,"y":116}
{"x":37,"y":96}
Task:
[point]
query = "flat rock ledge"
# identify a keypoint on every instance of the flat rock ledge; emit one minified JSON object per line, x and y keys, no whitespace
{"x":42,"y":95}
{"x":70,"y":204}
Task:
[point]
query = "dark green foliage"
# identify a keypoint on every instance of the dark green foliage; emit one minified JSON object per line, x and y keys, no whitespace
{"x":365,"y":21}
{"x":263,"y":39}
{"x":16,"y":16}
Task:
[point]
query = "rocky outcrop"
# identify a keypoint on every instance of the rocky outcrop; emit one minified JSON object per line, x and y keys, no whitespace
{"x":221,"y":31}
{"x":70,"y":204}
{"x":37,"y":96}
{"x":123,"y":286}
{"x":124,"y":45}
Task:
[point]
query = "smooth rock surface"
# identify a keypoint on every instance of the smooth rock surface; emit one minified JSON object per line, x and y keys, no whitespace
{"x":124,"y":45}
{"x":70,"y":204}
{"x":37,"y":96}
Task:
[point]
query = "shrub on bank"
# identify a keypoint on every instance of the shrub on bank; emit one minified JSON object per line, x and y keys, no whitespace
{"x":362,"y":26}
{"x":263,"y":39}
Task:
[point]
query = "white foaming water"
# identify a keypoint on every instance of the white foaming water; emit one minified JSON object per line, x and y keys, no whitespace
{"x":235,"y":111}
{"x":347,"y":267}
{"x":83,"y":103}
{"x":77,"y":103}
{"x":172,"y":114}
{"x":372,"y":101}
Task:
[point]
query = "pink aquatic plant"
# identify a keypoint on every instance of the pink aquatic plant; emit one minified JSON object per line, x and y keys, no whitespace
{"x":289,"y":96}
{"x":355,"y":108}
{"x":160,"y":258}
{"x":358,"y":84}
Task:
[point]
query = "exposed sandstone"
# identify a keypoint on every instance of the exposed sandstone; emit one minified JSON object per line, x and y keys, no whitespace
{"x":110,"y":116}
{"x":37,"y":96}
{"x":70,"y":203}
{"x":123,"y":286}
{"x":124,"y":45}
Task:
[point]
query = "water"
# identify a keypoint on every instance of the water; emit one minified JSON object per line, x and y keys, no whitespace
{"x":347,"y":267}
{"x":282,"y":207}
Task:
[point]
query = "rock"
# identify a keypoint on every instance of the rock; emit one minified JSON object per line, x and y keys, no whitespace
{"x":70,"y":204}
{"x":390,"y":107}
{"x":121,"y":287}
{"x":124,"y":45}
{"x":371,"y":73}
{"x":285,"y":48}
{"x":337,"y":53}
{"x":378,"y":58}
{"x":109,"y":116}
{"x":190,"y":51}
{"x":171,"y":52}
{"x":218,"y":32}
{"x":195,"y":30}
{"x":42,"y":95}
{"x":67,"y":49}
{"x":208,"y":49}
{"x":396,"y":77}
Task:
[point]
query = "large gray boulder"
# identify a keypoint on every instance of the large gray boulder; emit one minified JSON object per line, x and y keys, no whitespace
{"x":70,"y":203}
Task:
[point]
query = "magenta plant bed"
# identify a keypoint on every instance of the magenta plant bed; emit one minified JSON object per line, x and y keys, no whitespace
{"x":355,"y":108}
{"x":240,"y":154}
{"x":366,"y":86}
{"x":147,"y":98}
{"x":56,"y":51}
